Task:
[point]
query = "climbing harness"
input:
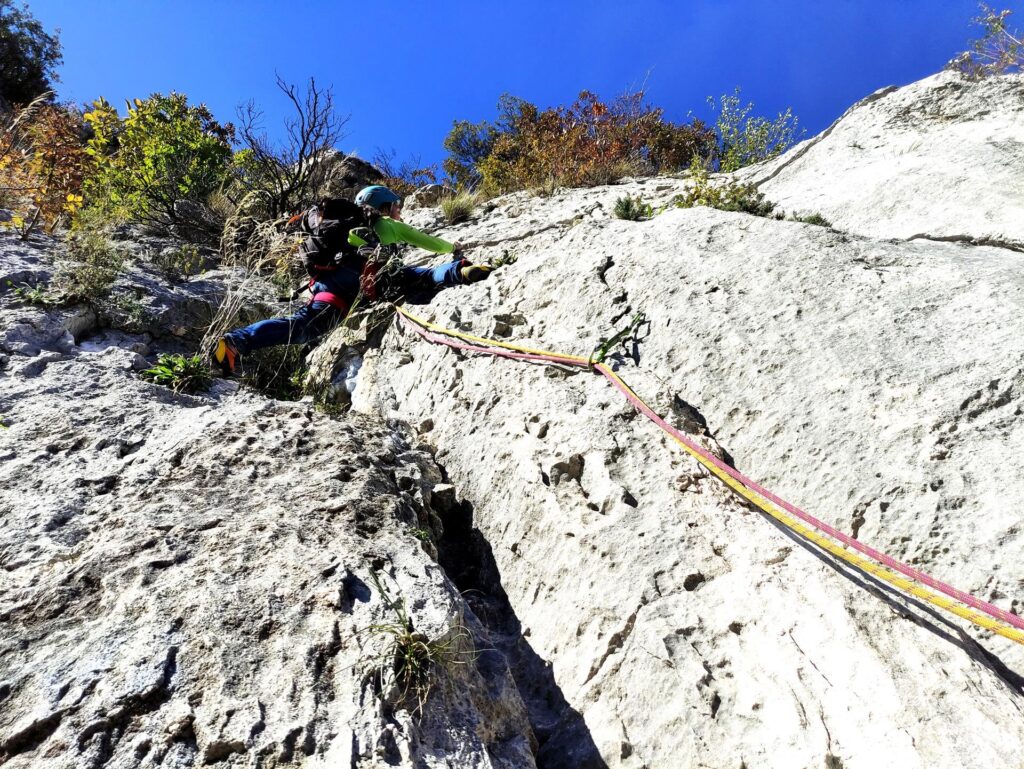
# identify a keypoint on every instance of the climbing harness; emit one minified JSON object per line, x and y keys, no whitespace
{"x":830,"y":539}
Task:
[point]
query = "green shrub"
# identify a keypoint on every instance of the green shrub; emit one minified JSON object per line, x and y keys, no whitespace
{"x":181,"y":374}
{"x":179,"y":263}
{"x":998,"y":51}
{"x":726,"y":195}
{"x":744,"y":139}
{"x":816,"y":219}
{"x":165,"y":151}
{"x":87,"y":272}
{"x":458,"y":207}
{"x":633,"y":209}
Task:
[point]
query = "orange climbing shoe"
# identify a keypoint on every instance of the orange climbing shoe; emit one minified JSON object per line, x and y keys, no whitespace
{"x":226,"y":356}
{"x":474,"y":273}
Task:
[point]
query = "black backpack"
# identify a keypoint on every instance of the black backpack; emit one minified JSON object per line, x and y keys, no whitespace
{"x":326,"y":228}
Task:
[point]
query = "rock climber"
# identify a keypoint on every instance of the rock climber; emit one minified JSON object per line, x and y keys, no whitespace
{"x":341,"y":240}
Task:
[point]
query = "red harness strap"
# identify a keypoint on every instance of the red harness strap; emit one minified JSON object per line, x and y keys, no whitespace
{"x":328,"y":297}
{"x":367,"y":282}
{"x":332,"y":299}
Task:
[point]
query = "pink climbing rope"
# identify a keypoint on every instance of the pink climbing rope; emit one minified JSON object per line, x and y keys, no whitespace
{"x":643,"y":408}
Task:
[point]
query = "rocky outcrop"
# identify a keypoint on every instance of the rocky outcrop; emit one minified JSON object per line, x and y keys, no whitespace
{"x":214,"y":578}
{"x":190,"y":579}
{"x":345,"y":175}
{"x":940,"y":159}
{"x":875,"y":383}
{"x":428,"y":195}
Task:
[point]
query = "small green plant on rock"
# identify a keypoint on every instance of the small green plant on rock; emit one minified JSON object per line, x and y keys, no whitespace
{"x":506,"y":258}
{"x":179,"y":263}
{"x":410,"y":662}
{"x":126,"y":312}
{"x":88,"y":272}
{"x":277,"y":372}
{"x":816,"y":219}
{"x":37,"y":295}
{"x":633,"y":209}
{"x":331,"y":408}
{"x":725,"y":196}
{"x":459,"y":207}
{"x":182,"y":374}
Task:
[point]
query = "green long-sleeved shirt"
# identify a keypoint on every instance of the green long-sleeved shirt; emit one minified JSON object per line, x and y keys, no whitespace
{"x":391,"y":231}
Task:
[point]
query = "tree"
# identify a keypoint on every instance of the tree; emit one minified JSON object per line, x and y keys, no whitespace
{"x":403,"y":177}
{"x":744,"y":139}
{"x":29,"y":56}
{"x":165,"y":151}
{"x":294,"y":171}
{"x":467,"y":145}
{"x":998,"y":51}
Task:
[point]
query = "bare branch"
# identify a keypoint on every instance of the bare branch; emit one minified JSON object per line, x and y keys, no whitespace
{"x":293,"y":171}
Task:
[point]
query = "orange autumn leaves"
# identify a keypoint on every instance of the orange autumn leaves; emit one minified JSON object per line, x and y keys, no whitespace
{"x":42,"y":164}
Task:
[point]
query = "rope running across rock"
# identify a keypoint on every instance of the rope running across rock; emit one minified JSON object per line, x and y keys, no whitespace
{"x":914,"y":582}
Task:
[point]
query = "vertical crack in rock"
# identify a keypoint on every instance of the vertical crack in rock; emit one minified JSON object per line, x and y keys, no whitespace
{"x":831,"y":761}
{"x":112,"y":727}
{"x":808,"y":658}
{"x":616,"y":642}
{"x":562,"y":735}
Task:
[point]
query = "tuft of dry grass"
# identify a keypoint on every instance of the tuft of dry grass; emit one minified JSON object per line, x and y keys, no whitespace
{"x":409,"y":664}
{"x":458,"y":207}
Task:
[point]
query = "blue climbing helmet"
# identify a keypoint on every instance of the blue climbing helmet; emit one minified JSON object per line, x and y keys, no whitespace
{"x":376,"y":196}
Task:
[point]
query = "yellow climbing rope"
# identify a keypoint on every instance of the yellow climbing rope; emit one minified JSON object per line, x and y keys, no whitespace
{"x":883,"y":573}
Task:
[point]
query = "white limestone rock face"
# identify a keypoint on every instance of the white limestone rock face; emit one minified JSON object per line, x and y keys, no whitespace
{"x":941,"y":159}
{"x":187,"y":578}
{"x":876,"y":384}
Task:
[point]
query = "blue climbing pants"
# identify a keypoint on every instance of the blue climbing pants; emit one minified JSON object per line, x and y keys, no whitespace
{"x":333,"y":296}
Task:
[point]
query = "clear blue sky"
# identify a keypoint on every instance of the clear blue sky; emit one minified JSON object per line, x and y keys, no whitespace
{"x":405,"y":70}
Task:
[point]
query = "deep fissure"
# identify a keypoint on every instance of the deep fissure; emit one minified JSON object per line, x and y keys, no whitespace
{"x":468,"y":560}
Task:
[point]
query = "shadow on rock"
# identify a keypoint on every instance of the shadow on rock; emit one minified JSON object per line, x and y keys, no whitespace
{"x":562,"y":734}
